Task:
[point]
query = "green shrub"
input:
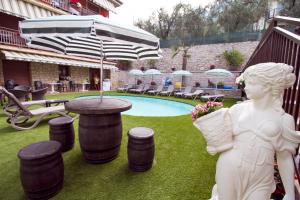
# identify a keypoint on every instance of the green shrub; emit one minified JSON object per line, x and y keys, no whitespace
{"x":234,"y":58}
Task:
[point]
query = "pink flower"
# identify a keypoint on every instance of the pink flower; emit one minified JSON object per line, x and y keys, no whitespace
{"x":201,"y":110}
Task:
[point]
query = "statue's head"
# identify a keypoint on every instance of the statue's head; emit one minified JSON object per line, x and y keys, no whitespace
{"x":271,"y":77}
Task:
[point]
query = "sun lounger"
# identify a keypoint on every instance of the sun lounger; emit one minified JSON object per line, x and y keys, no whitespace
{"x":125,"y":88}
{"x":22,"y":114}
{"x":194,"y":95}
{"x":187,"y":90}
{"x":143,"y":90}
{"x":169,"y":91}
{"x":213,"y":97}
{"x":140,"y":87}
{"x":158,"y":90}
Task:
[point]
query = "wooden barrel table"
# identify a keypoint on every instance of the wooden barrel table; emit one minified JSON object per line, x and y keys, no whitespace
{"x":140,"y":149}
{"x":41,"y":169}
{"x":100,"y":127}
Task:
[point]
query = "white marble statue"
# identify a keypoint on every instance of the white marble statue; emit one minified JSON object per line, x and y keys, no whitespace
{"x":259,"y":129}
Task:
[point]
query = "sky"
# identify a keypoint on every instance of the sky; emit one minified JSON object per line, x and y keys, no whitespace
{"x":132,"y":10}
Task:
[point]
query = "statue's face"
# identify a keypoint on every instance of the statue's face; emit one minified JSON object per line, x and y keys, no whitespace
{"x":254,"y":89}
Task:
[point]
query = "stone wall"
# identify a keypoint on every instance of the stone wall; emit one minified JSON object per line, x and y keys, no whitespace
{"x":201,"y":57}
{"x":1,"y":74}
{"x":79,"y":74}
{"x":114,"y":79}
{"x":47,"y":73}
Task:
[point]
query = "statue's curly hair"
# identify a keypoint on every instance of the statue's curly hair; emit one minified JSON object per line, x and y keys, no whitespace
{"x":278,"y":76}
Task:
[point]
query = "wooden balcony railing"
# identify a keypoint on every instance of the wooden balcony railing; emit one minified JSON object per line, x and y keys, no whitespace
{"x":282,"y":46}
{"x":11,"y":37}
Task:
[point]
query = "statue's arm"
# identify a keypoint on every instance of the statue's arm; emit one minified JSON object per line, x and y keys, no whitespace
{"x":286,"y":170}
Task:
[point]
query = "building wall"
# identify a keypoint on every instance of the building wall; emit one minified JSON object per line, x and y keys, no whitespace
{"x":1,"y":74}
{"x":79,"y":74}
{"x":114,"y":79}
{"x":47,"y":73}
{"x":201,"y":57}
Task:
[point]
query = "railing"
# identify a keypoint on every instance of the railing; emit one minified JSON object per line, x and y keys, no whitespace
{"x":214,"y":39}
{"x":66,"y":6}
{"x":11,"y":37}
{"x":85,"y":11}
{"x":274,"y":12}
{"x":282,"y":46}
{"x":62,"y":4}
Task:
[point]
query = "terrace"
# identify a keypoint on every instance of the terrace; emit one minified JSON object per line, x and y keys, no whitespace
{"x":177,"y":152}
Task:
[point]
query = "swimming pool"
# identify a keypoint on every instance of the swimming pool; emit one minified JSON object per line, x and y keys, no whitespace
{"x":143,"y":106}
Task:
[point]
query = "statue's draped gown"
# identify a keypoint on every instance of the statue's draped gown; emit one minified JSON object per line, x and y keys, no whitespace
{"x":246,"y":172}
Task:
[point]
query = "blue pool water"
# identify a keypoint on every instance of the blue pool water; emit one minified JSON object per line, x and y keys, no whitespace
{"x":142,"y":106}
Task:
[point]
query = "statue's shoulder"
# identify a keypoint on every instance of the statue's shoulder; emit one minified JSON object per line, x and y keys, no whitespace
{"x":239,"y":107}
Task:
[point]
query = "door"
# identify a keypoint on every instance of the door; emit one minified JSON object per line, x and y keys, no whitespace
{"x":95,"y":79}
{"x":17,"y":71}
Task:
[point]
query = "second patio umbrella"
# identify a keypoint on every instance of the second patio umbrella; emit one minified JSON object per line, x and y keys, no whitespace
{"x":152,"y":72}
{"x":220,"y":73}
{"x":182,"y":73}
{"x":135,"y":73}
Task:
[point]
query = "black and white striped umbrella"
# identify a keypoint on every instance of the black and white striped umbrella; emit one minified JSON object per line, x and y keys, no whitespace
{"x":90,"y":36}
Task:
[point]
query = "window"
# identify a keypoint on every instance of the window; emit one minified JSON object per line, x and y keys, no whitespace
{"x":64,"y":72}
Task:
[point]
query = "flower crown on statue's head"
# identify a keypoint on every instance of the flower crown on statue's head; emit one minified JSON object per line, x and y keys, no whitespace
{"x":204,"y":109}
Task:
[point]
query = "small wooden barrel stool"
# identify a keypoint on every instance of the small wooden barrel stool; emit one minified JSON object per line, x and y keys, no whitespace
{"x":140,"y":149}
{"x":62,"y":130}
{"x":41,"y":169}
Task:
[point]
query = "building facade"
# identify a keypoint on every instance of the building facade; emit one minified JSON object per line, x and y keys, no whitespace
{"x":25,"y":65}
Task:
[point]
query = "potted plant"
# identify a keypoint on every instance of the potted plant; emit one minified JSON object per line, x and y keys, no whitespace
{"x":220,"y":85}
{"x":233,"y":58}
{"x":152,"y":83}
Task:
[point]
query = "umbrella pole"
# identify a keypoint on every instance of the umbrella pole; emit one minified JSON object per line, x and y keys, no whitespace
{"x":101,"y":80}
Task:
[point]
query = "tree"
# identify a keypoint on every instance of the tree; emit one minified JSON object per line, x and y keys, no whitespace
{"x":239,"y":15}
{"x":166,"y":21}
{"x":184,"y":49}
{"x":291,"y":8}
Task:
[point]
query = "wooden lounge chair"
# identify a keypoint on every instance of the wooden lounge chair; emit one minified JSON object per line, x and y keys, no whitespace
{"x":169,"y":91}
{"x":194,"y":95}
{"x":22,"y":114}
{"x":158,"y":90}
{"x":213,"y":97}
{"x":187,"y":90}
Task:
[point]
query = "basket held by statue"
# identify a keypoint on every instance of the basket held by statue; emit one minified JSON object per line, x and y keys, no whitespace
{"x":216,"y":127}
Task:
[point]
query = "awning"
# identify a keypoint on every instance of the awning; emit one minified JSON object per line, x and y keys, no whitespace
{"x":105,"y":4}
{"x":13,"y":55}
{"x":24,"y":9}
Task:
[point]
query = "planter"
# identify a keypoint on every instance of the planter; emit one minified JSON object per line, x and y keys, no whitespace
{"x":216,"y":127}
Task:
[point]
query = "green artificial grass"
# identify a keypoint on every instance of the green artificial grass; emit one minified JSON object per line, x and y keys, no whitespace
{"x":182,"y":169}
